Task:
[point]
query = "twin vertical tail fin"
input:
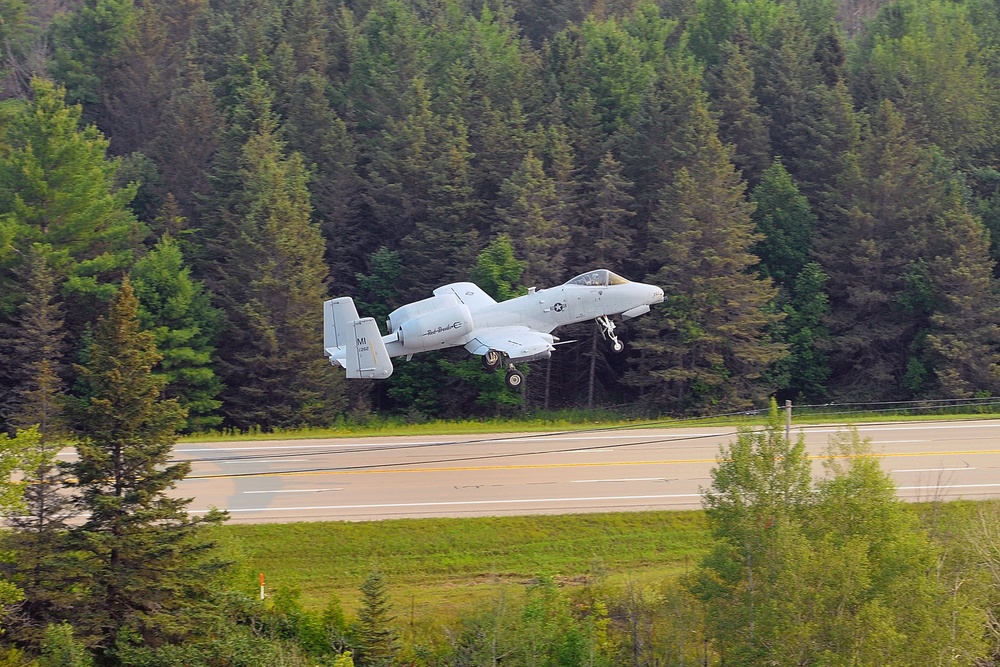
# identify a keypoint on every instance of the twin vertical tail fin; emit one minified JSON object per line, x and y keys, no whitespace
{"x":354,"y":342}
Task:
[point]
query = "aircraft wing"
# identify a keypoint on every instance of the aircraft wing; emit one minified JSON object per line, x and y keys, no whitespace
{"x":471,"y":294}
{"x":517,"y":342}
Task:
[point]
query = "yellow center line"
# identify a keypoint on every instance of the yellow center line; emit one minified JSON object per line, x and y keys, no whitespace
{"x":540,"y":466}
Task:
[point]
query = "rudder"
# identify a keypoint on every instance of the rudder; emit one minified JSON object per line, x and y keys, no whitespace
{"x":366,"y":353}
{"x":338,"y":320}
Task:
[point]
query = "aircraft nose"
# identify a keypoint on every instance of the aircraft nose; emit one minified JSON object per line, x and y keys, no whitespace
{"x":657,"y":295}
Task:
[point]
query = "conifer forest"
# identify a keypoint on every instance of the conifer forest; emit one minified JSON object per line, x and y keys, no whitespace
{"x":815,"y":184}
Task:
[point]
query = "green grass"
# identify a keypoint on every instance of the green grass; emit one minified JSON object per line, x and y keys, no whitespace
{"x":569,"y":420}
{"x":437,"y":567}
{"x":391,"y":426}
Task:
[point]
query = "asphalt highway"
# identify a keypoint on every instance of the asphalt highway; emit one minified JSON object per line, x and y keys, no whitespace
{"x":360,"y":479}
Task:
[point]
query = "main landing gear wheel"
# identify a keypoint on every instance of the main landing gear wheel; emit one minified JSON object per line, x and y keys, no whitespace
{"x":491,"y":360}
{"x":514,"y":378}
{"x":617,"y":345}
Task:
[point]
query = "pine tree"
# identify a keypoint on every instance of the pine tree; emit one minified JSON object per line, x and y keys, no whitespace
{"x":176,"y":309}
{"x":143,"y":561}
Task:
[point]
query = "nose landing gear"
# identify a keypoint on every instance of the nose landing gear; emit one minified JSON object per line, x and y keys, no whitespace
{"x":608,"y":331}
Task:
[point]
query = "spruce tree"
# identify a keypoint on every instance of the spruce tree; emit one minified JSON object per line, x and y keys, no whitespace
{"x":37,"y":538}
{"x":964,"y":334}
{"x":604,"y":238}
{"x":707,"y":346}
{"x":176,"y":309}
{"x":143,"y":565}
{"x":528,"y":208}
{"x":57,"y":187}
{"x":874,"y":249}
{"x":186,"y":142}
{"x":270,"y":280}
{"x":740,"y":120}
{"x":442,"y":246}
{"x":928,"y":61}
{"x":786,"y":224}
{"x":802,"y":375}
{"x":375,"y":637}
{"x":497,"y":271}
{"x":32,"y":348}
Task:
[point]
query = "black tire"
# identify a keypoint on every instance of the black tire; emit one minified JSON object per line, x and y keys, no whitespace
{"x":491,"y":360}
{"x":514,"y":379}
{"x":618,"y":346}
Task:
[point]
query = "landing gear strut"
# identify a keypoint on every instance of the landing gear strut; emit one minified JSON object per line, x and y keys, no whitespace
{"x":492,"y":360}
{"x":608,"y":331}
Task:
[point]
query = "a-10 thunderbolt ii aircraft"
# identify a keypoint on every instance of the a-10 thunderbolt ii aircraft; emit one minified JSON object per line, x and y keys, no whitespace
{"x":519,"y":329}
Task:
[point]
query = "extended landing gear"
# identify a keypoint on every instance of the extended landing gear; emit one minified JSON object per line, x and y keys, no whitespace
{"x":608,"y":331}
{"x":514,"y":377}
{"x":493,"y":359}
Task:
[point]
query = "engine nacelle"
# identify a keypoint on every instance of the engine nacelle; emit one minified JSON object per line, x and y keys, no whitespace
{"x":435,"y":328}
{"x":413,"y":310}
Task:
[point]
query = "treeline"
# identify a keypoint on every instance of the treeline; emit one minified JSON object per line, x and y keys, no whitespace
{"x":814,"y":189}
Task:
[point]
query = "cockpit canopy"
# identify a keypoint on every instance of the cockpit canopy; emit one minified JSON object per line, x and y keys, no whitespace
{"x":598,"y":278}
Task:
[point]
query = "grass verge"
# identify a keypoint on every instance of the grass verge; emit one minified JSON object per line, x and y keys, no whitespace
{"x":441,"y":566}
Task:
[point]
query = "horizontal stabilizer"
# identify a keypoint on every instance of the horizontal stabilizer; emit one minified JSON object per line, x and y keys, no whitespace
{"x":366,"y":353}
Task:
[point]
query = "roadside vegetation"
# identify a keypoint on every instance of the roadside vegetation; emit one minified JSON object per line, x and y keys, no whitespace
{"x":779,"y":569}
